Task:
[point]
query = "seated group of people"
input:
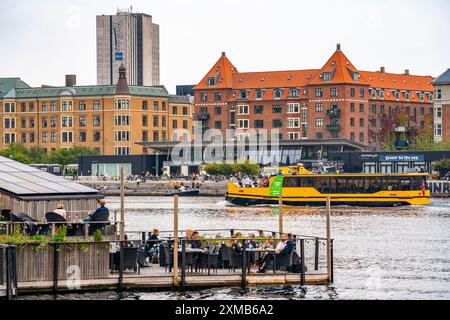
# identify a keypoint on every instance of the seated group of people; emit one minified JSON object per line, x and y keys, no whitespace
{"x":247,"y":182}
{"x":91,"y":215}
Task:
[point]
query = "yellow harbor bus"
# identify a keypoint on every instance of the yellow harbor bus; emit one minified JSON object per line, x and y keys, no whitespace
{"x":302,"y":188}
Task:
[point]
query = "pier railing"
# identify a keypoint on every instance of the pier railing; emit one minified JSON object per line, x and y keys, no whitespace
{"x":8,"y":275}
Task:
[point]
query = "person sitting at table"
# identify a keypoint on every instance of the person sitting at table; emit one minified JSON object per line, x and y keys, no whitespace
{"x":284,"y":247}
{"x":102,"y":209}
{"x":237,"y":244}
{"x":250,"y":243}
{"x":61,"y":211}
{"x":127,"y":243}
{"x":151,"y":245}
{"x":195,"y":242}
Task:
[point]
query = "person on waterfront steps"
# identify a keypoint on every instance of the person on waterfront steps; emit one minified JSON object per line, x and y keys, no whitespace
{"x":61,"y":211}
{"x":102,"y":209}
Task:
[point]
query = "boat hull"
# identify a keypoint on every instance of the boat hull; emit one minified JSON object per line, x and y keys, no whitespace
{"x":189,"y":193}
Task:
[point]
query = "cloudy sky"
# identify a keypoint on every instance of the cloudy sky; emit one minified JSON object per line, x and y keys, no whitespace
{"x":41,"y":41}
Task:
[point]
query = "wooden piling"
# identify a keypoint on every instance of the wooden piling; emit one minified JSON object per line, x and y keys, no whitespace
{"x":122,"y":205}
{"x":280,"y":214}
{"x":329,"y":239}
{"x":175,"y":240}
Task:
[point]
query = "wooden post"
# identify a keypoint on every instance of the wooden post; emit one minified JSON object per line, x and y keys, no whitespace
{"x":280,"y":214}
{"x":329,"y":238}
{"x":175,"y":240}
{"x":122,"y":205}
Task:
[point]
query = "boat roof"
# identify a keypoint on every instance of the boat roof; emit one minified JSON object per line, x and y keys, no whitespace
{"x":359,"y":175}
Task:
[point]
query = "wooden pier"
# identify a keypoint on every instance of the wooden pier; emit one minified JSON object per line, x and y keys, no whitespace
{"x":157,"y":278}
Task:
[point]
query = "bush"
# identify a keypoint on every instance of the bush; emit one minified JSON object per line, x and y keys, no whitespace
{"x":442,"y":166}
{"x":224,"y":169}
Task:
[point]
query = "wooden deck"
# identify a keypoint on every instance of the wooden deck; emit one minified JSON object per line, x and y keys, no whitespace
{"x":155,"y":277}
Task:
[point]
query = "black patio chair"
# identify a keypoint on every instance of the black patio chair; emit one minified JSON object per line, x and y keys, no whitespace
{"x":168,"y":257}
{"x":225,"y":254}
{"x":210,"y":262}
{"x":57,"y":219}
{"x":31,"y":226}
{"x":98,"y":225}
{"x":189,"y":263}
{"x":285,"y":261}
{"x":130,"y":259}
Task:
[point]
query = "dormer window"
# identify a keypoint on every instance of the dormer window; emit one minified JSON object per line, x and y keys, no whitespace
{"x":259,"y":94}
{"x":294,"y":92}
{"x":396,"y":95}
{"x":373,"y":93}
{"x":326,"y":76}
{"x":381,"y":92}
{"x":355,"y":76}
{"x":243,"y":94}
{"x":420,"y":94}
{"x":406,"y":94}
{"x":277,"y":93}
{"x":211,"y":81}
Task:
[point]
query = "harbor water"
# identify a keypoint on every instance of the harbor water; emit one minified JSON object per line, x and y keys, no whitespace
{"x":379,"y":253}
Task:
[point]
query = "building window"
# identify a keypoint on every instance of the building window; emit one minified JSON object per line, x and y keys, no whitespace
{"x":277,"y":93}
{"x":293,"y":135}
{"x":82,"y":106}
{"x":258,"y":109}
{"x":352,"y":136}
{"x":319,"y":122}
{"x":293,"y":122}
{"x":294,"y":92}
{"x":66,"y":136}
{"x":361,"y":122}
{"x":44,"y":123}
{"x":304,"y":115}
{"x":319,"y":107}
{"x":259,"y":123}
{"x":144,"y":105}
{"x":381,"y":93}
{"x":422,"y":111}
{"x":9,"y":108}
{"x":66,"y":122}
{"x":120,"y":136}
{"x":374,"y":108}
{"x":53,"y":106}
{"x":44,"y":137}
{"x":382,"y":108}
{"x":361,"y":107}
{"x":319,"y":92}
{"x":438,"y":130}
{"x":277,"y":109}
{"x":122,"y":104}
{"x":23,"y":107}
{"x":217,"y":111}
{"x":9,"y":138}
{"x":326,"y":76}
{"x":163,"y":121}
{"x":155,"y":136}
{"x":243,"y":123}
{"x":44,"y":106}
{"x":185,"y":124}
{"x":243,"y":94}
{"x":218,"y":124}
{"x":96,"y":121}
{"x":439,"y":94}
{"x":97,"y":136}
{"x":277,"y":123}
{"x":259,"y":94}
{"x":174,"y":110}
{"x":23,"y":123}
{"x":217,"y":96}
{"x":211,"y":81}
{"x":243,"y":110}
{"x":352,"y":92}
{"x":439,"y":112}
{"x":156,"y":106}
{"x":31,"y":107}
{"x":406,"y":94}
{"x":97,"y":105}
{"x":31,"y":123}
{"x":203,"y":97}
{"x":144,"y":121}
{"x":66,"y":106}
{"x":122,"y":151}
{"x":122,"y":120}
{"x":174,"y":124}
{"x":352,"y":122}
{"x":352,"y":107}
{"x":163,"y":106}
{"x":53,"y":136}
{"x":293,"y":108}
{"x":361,"y":93}
{"x":334,"y":92}
{"x":9,"y":123}
{"x":361,"y":137}
{"x":155,"y":121}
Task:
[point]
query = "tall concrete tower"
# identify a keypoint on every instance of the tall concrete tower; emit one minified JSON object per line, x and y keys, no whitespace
{"x":131,"y":39}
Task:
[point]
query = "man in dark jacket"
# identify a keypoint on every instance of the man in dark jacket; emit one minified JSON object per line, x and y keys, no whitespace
{"x":284,"y":248}
{"x":97,"y":212}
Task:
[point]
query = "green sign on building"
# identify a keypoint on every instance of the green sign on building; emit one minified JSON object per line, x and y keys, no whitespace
{"x":276,"y":187}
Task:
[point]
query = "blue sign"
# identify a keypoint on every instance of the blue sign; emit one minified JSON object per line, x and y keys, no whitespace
{"x":119,"y":56}
{"x":402,"y":157}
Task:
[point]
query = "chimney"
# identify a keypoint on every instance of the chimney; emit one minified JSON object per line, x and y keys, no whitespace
{"x":383,"y":70}
{"x":406,"y":72}
{"x":71,"y":80}
{"x":223,"y":54}
{"x":338,"y":47}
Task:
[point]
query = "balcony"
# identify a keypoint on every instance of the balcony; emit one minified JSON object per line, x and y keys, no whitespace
{"x":334,"y":113}
{"x":334,"y":127}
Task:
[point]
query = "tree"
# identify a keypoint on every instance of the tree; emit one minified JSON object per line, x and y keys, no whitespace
{"x":17,"y":152}
{"x":70,"y":156}
{"x":442,"y":166}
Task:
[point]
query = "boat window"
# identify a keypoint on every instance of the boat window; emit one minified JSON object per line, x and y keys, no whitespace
{"x":405,"y":184}
{"x":308,"y":182}
{"x":372,"y":184}
{"x":291,"y":183}
{"x":323,"y":185}
{"x":338,"y":185}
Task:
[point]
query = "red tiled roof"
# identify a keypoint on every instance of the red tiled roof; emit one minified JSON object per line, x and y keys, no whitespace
{"x":272,"y":79}
{"x":223,"y":71}
{"x":398,"y":81}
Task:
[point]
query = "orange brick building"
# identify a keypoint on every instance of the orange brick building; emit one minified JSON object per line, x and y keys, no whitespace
{"x":335,"y":101}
